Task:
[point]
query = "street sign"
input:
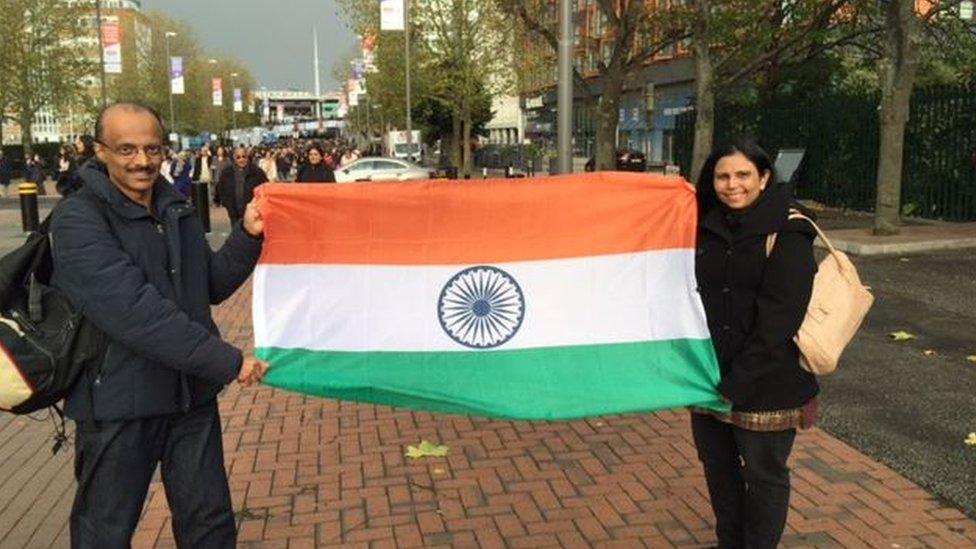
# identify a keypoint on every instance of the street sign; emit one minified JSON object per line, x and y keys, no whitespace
{"x":392,"y":15}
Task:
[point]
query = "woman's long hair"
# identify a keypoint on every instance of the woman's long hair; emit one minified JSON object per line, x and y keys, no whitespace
{"x":707,"y":198}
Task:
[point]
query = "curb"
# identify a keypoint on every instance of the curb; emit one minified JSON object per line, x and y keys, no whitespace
{"x":862,"y":249}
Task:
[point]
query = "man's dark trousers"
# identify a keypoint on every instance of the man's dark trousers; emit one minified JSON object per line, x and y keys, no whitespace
{"x":114,"y":464}
{"x":748,"y":481}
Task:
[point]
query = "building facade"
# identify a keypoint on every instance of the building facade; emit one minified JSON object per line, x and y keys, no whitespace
{"x":660,"y":89}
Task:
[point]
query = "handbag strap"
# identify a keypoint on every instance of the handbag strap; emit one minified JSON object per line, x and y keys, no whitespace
{"x":796,"y":214}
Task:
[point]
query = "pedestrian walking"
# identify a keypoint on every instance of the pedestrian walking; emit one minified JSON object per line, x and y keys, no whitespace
{"x":350,"y":156}
{"x":6,"y":172}
{"x":131,"y":256}
{"x":284,"y":162}
{"x":221,"y":162}
{"x":236,"y":185}
{"x":315,"y":170}
{"x":181,"y":171}
{"x":83,"y":152}
{"x":35,"y":172}
{"x":269,"y":165}
{"x":754,"y":306}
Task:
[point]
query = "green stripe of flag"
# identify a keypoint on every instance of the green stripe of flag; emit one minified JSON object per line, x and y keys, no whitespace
{"x":544,"y":383}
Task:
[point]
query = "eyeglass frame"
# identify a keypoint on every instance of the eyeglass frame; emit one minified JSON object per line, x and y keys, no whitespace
{"x":137,"y":149}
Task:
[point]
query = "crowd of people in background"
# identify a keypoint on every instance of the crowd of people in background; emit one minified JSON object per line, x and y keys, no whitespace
{"x":306,"y":161}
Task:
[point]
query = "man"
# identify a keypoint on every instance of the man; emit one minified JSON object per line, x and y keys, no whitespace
{"x":236,"y":184}
{"x":130,"y":254}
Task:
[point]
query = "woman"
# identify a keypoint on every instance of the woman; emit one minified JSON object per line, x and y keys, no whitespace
{"x":315,"y":171}
{"x":66,"y":171}
{"x":84,"y":150}
{"x":220,"y":164}
{"x":180,"y":171}
{"x":269,"y":165}
{"x":754,"y":306}
{"x":35,"y":173}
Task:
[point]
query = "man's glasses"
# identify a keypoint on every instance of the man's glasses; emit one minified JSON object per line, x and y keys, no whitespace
{"x":126,"y":150}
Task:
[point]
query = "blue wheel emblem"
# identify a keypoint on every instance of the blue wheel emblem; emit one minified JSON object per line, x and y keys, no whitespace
{"x":481,"y":307}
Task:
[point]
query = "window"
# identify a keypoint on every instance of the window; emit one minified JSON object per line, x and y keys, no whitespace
{"x":386,"y":165}
{"x":361,"y":166}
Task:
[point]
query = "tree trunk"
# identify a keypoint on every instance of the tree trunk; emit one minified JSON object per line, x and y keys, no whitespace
{"x":897,"y":71}
{"x":26,"y":135}
{"x":608,"y":118}
{"x":704,"y":91}
{"x":455,"y":140}
{"x":466,"y":152}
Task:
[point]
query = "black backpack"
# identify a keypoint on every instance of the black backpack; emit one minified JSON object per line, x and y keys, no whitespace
{"x":45,"y":344}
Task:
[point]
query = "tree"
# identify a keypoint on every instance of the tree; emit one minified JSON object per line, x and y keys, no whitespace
{"x":455,"y":60}
{"x":194,"y":111}
{"x":899,"y":43}
{"x":734,"y":40}
{"x":897,"y":74}
{"x":466,"y":45}
{"x":640,"y":30}
{"x":42,"y":66}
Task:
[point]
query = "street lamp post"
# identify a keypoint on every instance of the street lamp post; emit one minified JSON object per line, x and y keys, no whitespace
{"x":233,"y":108}
{"x":169,"y":61}
{"x":406,"y":73}
{"x":213,"y":62}
{"x":564,"y":124}
{"x":101,"y":48}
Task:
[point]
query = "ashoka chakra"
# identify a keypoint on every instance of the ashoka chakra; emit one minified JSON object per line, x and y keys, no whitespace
{"x":481,"y":307}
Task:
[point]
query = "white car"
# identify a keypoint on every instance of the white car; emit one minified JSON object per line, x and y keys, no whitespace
{"x":380,"y":169}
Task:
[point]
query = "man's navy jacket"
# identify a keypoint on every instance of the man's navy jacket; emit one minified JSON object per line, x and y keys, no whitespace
{"x":147,"y":280}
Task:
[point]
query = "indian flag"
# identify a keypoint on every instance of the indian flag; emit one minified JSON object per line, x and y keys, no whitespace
{"x":544,"y":298}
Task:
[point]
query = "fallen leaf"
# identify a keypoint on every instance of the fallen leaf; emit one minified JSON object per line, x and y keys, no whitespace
{"x":971,"y":358}
{"x":929,"y":352}
{"x":439,"y":471}
{"x":901,"y":335}
{"x":904,"y":259}
{"x":971,"y":439}
{"x":426,"y":449}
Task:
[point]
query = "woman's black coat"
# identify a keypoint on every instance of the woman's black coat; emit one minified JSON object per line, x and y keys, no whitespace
{"x":756,"y":304}
{"x":315,"y":173}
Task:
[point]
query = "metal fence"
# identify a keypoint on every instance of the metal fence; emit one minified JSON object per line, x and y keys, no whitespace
{"x":840,"y":135}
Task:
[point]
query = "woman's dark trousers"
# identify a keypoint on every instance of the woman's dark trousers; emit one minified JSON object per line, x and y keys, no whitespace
{"x":748,"y":481}
{"x":115,"y":462}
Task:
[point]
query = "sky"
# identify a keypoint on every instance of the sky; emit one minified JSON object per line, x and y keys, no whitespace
{"x":273,"y":39}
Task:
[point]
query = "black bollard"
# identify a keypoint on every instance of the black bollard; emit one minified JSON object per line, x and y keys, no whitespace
{"x":452,"y":172}
{"x":28,"y":206}
{"x":200,"y":193}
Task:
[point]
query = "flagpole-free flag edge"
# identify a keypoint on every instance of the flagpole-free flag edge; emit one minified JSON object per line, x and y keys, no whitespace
{"x":553,"y":383}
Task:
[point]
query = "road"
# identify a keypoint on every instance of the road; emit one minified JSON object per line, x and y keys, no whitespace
{"x":901,"y":406}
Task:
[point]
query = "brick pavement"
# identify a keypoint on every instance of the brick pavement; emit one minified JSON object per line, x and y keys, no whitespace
{"x":309,"y":472}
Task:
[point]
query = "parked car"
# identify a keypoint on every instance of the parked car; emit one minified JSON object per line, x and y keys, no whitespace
{"x":381,"y":169}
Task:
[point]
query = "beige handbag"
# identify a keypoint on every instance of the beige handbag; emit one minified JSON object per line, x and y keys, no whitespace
{"x":838,"y":304}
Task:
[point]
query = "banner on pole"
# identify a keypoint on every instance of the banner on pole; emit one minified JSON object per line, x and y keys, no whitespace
{"x":112,"y":45}
{"x":218,"y":93}
{"x":392,"y":15}
{"x":238,"y":101}
{"x":176,"y":85}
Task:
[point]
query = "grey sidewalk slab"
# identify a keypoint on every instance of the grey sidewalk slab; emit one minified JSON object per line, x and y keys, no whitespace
{"x":912,"y":239}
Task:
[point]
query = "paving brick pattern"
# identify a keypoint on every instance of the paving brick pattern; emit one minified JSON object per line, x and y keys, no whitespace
{"x":309,"y":472}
